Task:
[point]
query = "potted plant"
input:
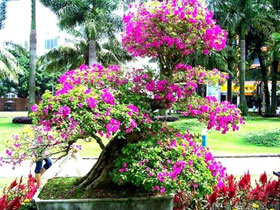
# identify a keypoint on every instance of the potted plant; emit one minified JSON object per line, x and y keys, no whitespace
{"x":93,"y":103}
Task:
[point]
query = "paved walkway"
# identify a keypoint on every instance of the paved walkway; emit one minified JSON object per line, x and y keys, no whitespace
{"x":234,"y":165}
{"x":255,"y":165}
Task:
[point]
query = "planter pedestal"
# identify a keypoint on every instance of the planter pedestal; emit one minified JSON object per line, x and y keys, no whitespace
{"x":133,"y":203}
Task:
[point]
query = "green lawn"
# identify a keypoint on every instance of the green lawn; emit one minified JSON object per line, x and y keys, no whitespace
{"x":230,"y":143}
{"x":7,"y":129}
{"x":234,"y":142}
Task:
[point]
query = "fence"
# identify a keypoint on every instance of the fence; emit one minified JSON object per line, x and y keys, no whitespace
{"x":15,"y":104}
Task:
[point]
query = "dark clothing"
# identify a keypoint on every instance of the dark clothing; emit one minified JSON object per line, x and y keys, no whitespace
{"x":39,"y":165}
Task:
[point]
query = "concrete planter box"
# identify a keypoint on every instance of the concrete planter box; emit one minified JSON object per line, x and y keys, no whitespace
{"x":133,"y":203}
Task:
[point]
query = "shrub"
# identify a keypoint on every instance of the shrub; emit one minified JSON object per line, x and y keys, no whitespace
{"x":168,"y":161}
{"x":22,"y":120}
{"x":166,"y":118}
{"x":266,"y":138}
{"x":244,"y":109}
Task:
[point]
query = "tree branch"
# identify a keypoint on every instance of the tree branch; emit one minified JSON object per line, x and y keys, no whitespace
{"x":99,"y":141}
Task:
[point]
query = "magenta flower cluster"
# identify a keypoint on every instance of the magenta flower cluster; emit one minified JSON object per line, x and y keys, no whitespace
{"x":217,"y":115}
{"x":150,"y":30}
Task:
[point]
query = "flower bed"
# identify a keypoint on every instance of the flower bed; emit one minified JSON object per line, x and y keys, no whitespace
{"x":18,"y":195}
{"x":235,"y":194}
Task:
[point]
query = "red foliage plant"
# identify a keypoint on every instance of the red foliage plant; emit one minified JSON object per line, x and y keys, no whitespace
{"x":17,"y":193}
{"x":234,"y":194}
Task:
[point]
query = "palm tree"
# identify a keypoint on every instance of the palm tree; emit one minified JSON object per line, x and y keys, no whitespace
{"x":237,"y":16}
{"x":33,"y":43}
{"x":229,"y":14}
{"x":257,"y":37}
{"x":8,"y":64}
{"x":274,"y":51}
{"x":275,"y":58}
{"x":32,"y":64}
{"x":96,"y":17}
{"x":72,"y":56}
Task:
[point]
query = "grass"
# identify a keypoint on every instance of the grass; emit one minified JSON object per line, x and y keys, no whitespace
{"x":58,"y":188}
{"x":234,"y":142}
{"x":62,"y":188}
{"x":230,"y":143}
{"x":7,"y":129}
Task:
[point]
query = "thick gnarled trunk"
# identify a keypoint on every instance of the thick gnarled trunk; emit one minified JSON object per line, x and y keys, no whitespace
{"x":99,"y":175}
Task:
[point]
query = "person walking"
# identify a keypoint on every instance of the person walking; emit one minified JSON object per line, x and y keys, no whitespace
{"x":41,"y":155}
{"x":40,"y":169}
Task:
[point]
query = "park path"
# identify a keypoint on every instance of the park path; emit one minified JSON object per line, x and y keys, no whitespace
{"x":236,"y":165}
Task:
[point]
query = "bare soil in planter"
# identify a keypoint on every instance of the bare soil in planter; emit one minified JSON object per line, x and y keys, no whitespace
{"x":64,"y":188}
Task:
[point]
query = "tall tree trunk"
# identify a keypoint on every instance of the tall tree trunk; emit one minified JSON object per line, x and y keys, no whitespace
{"x":32,"y":62}
{"x":275,"y":67}
{"x":201,"y":90}
{"x":274,"y":72}
{"x":92,"y":58}
{"x":242,"y":65}
{"x":230,"y":65}
{"x":259,"y":93}
{"x":99,"y":175}
{"x":229,"y":89}
{"x":264,"y":71}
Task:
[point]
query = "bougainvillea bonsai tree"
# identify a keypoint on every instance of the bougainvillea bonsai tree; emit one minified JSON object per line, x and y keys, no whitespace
{"x":94,"y":103}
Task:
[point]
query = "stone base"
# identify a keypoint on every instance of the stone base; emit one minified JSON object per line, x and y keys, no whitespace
{"x":141,"y":203}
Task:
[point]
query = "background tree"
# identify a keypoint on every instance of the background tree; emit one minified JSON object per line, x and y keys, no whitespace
{"x":32,"y":64}
{"x":9,"y":68}
{"x":230,"y":15}
{"x":43,"y":80}
{"x":72,"y":56}
{"x":98,"y":18}
{"x":237,"y":17}
{"x":274,"y":52}
{"x":256,"y":40}
{"x":258,"y":35}
{"x":33,"y":43}
{"x":275,"y":61}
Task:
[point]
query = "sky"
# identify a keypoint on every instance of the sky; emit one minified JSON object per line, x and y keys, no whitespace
{"x":17,"y":24}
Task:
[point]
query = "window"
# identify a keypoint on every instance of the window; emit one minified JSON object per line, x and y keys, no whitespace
{"x":50,"y":43}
